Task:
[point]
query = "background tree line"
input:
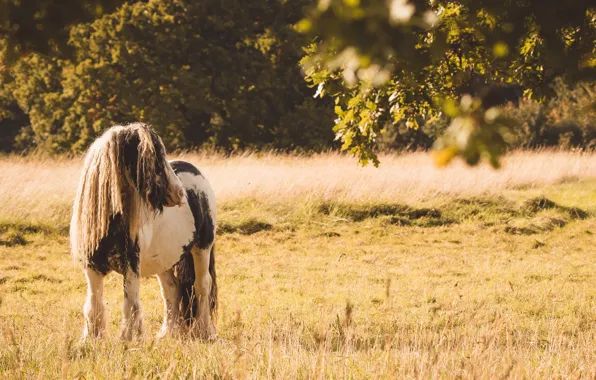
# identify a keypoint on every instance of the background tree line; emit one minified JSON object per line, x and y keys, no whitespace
{"x":230,"y":74}
{"x":215,"y":73}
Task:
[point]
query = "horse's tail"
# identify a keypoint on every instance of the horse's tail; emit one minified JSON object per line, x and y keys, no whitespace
{"x":213,"y":293}
{"x":185,"y":274}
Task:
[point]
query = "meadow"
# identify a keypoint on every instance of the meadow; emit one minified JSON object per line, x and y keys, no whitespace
{"x":330,"y":270}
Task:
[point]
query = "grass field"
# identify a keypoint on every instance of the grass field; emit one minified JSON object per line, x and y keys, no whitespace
{"x":328,"y":270}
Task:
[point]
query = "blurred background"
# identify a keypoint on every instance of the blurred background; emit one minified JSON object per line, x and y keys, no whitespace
{"x":300,"y":75}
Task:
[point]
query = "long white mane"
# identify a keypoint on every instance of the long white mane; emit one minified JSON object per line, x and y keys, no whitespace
{"x":107,"y":189}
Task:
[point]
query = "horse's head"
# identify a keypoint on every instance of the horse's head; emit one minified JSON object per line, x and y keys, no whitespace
{"x":147,"y":168}
{"x":125,"y":172}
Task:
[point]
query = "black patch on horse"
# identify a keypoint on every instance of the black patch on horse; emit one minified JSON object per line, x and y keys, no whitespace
{"x":213,"y":294}
{"x":185,"y":167}
{"x":116,"y":251}
{"x":184,"y":271}
{"x":203,"y":234}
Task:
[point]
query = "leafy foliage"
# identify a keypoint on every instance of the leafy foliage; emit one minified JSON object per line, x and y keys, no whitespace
{"x":391,"y":61}
{"x":225,"y":73}
{"x":565,"y":120}
{"x":220,"y":74}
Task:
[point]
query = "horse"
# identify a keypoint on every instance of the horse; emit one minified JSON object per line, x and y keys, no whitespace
{"x":138,"y":214}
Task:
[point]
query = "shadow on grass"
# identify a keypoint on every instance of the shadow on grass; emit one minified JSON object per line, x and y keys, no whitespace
{"x":25,"y":228}
{"x":12,"y":239}
{"x":528,"y":218}
{"x":248,"y":227}
{"x":36,"y":278}
{"x":394,"y":213}
{"x":535,"y":205}
{"x":540,"y":214}
{"x":14,"y":234}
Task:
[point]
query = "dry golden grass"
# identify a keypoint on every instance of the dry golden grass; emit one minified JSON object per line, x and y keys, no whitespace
{"x":328,"y":270}
{"x":37,"y":190}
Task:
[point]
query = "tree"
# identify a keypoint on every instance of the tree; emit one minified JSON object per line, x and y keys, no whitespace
{"x":413,"y":61}
{"x":234,"y":81}
{"x":210,"y":72}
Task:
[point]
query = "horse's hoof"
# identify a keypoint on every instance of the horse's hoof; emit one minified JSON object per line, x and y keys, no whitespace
{"x":126,"y":335}
{"x":164,"y":332}
{"x":210,"y":336}
{"x":86,"y":336}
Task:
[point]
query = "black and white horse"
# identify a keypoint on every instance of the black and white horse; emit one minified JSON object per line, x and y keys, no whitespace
{"x":137,"y":214}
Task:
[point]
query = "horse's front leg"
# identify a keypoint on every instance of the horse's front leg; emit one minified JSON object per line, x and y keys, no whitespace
{"x":203,"y":325}
{"x":131,"y":308}
{"x":171,"y":299}
{"x":94,"y":310}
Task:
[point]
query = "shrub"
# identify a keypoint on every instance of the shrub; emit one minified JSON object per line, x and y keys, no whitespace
{"x":567,"y":120}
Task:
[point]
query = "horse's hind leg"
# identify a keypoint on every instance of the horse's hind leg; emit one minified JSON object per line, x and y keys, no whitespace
{"x":171,"y":298}
{"x":204,"y":326}
{"x":131,"y":308}
{"x":94,"y":310}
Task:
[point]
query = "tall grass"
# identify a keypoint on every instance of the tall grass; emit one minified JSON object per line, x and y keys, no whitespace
{"x":41,"y":190}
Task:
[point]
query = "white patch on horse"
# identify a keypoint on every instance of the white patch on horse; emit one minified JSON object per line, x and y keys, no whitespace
{"x":171,"y":231}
